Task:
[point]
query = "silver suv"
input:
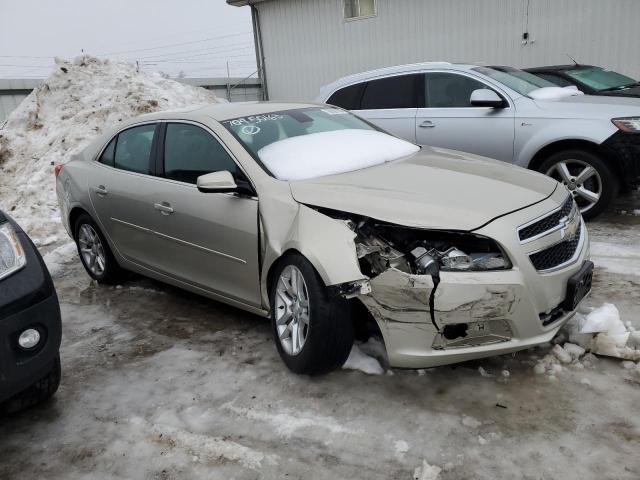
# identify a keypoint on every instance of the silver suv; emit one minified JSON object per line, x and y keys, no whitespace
{"x":591,"y":144}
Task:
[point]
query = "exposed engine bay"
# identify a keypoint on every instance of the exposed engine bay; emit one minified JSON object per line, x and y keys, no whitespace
{"x":404,"y":265}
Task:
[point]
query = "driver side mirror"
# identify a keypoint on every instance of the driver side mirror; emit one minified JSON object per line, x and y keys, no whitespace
{"x":484,"y":97}
{"x":217,"y":182}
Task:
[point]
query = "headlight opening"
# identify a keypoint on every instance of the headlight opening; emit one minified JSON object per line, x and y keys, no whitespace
{"x":12,"y":255}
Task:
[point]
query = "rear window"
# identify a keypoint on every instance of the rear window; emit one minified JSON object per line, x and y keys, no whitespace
{"x":347,"y":97}
{"x":392,"y":92}
{"x":133,"y":149}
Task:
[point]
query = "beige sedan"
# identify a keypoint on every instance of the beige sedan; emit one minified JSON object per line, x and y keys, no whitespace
{"x":333,"y":228}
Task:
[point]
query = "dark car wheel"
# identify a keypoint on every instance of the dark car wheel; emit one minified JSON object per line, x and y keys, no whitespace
{"x":94,"y":251}
{"x":312,"y":327}
{"x":39,"y":392}
{"x":587,"y":177}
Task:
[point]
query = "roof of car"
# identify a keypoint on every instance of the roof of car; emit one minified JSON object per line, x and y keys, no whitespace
{"x":225,"y":111}
{"x":556,"y":68}
{"x":378,"y":72}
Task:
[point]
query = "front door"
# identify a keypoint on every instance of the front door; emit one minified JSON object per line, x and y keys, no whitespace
{"x":209,"y":240}
{"x":450,"y":121}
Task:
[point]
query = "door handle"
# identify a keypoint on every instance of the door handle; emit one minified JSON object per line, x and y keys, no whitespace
{"x":101,"y":190}
{"x":164,"y":208}
{"x":427,"y":124}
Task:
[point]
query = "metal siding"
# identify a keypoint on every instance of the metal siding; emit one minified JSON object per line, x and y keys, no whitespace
{"x":8,"y":103}
{"x":307,"y":43}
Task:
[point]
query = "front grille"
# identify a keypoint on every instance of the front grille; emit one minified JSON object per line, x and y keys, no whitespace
{"x":547,"y":223}
{"x":556,"y":254}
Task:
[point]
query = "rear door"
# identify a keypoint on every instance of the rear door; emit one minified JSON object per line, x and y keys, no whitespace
{"x":449,"y":120}
{"x":389,"y":102}
{"x":209,"y":240}
{"x":119,"y":188}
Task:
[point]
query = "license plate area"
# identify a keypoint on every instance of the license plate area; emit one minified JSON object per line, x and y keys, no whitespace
{"x":578,"y":286}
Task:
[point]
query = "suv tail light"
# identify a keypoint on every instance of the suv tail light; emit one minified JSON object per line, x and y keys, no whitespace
{"x":57,"y":169}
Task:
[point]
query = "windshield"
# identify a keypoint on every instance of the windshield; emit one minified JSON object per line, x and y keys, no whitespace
{"x":600,"y":79}
{"x":518,"y":80}
{"x":316,"y":141}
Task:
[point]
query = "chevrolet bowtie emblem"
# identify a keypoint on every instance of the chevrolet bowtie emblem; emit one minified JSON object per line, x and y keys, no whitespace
{"x":571,"y":224}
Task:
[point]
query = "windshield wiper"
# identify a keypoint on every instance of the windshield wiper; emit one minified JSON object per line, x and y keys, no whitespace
{"x":621,"y":87}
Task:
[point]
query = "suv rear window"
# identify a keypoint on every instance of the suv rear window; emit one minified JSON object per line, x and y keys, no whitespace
{"x":347,"y":97}
{"x":391,"y":92}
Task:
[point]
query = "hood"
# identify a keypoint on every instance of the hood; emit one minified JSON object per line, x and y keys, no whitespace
{"x":591,"y":106}
{"x":434,"y":188}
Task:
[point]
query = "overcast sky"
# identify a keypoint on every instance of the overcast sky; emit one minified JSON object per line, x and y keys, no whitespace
{"x":194,"y":36}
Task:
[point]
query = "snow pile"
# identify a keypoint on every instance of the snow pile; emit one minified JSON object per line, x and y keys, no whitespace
{"x":601,"y":332}
{"x":426,"y":472}
{"x":56,"y":258}
{"x":329,"y":153}
{"x":79,"y":100}
{"x":358,"y":360}
{"x":471,"y":422}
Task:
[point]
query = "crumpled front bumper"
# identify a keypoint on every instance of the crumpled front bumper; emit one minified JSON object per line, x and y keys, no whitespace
{"x":504,"y":311}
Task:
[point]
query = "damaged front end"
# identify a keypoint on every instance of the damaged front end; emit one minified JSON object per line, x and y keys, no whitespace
{"x":431,"y":292}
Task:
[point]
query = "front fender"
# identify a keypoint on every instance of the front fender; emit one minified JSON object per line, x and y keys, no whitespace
{"x":326,"y":242}
{"x":534,"y":134}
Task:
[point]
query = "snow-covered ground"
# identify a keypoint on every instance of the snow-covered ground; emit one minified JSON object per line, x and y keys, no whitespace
{"x":160,"y":383}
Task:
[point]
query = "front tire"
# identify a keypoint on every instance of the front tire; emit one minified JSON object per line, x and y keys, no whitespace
{"x":588,"y":178}
{"x":94,"y":251}
{"x":311,"y":326}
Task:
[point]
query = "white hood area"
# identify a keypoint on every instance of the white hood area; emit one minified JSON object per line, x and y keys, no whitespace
{"x":328,"y":153}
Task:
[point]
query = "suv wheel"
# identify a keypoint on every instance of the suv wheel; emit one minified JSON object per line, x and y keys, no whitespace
{"x":94,"y":251}
{"x":587,"y":177}
{"x":312,"y":327}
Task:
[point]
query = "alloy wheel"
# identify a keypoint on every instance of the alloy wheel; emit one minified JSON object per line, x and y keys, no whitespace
{"x":582,"y":180}
{"x":91,"y":249}
{"x":292,"y":310}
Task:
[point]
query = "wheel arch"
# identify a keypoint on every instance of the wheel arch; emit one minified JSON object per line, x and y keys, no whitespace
{"x":74,"y":214}
{"x":576,"y":144}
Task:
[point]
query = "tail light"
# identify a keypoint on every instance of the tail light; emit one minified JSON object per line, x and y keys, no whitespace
{"x":57,"y":169}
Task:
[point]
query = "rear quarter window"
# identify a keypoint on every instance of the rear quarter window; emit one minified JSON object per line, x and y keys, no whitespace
{"x":347,"y":97}
{"x":108,"y":153}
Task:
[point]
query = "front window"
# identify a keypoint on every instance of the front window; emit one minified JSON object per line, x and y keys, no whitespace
{"x":315,"y":141}
{"x":450,"y":90}
{"x":190,"y":151}
{"x":354,"y":9}
{"x":601,"y":79}
{"x":522,"y":82}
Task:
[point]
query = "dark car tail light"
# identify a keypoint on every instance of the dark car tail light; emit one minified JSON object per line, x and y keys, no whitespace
{"x":57,"y":169}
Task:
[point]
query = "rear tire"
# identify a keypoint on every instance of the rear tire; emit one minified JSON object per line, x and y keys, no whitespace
{"x":325,"y":328}
{"x":587,"y":176}
{"x":94,"y":251}
{"x":39,"y":392}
